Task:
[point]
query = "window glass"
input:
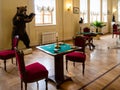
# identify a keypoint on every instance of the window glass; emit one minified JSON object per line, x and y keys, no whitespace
{"x":119,"y":10}
{"x":45,"y":11}
{"x":104,"y":10}
{"x":94,"y":10}
{"x":84,"y":10}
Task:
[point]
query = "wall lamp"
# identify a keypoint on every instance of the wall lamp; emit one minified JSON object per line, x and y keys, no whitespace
{"x":68,"y":6}
{"x":114,"y":10}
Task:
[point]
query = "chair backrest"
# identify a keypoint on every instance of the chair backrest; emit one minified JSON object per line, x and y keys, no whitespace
{"x":86,"y":29}
{"x":80,"y":41}
{"x":115,"y":27}
{"x":15,"y":41}
{"x":20,"y":60}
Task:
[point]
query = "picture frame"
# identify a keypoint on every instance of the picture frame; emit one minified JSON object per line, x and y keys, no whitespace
{"x":76,"y":10}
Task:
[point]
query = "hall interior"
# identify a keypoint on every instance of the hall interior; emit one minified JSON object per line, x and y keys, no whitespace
{"x":102,"y":64}
{"x":101,"y":69}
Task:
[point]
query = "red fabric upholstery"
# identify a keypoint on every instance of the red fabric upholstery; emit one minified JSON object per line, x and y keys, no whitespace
{"x":87,"y":30}
{"x":89,"y":38}
{"x":30,"y":73}
{"x":6,"y":54}
{"x":9,"y":54}
{"x":15,"y":42}
{"x":21,"y":64}
{"x":116,"y":31}
{"x":76,"y":56}
{"x":80,"y":42}
{"x":36,"y":71}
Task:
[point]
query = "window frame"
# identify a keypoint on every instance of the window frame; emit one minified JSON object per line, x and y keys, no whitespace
{"x":100,"y":12}
{"x":41,"y":13}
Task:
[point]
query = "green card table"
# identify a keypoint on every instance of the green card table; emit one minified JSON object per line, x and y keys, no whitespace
{"x":58,"y":54}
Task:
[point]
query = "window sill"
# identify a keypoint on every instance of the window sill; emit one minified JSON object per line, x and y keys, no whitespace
{"x":37,"y":25}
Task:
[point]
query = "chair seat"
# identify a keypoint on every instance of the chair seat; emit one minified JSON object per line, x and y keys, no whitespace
{"x":76,"y":56}
{"x":116,"y":32}
{"x":6,"y":54}
{"x":35,"y":71}
{"x":30,"y":73}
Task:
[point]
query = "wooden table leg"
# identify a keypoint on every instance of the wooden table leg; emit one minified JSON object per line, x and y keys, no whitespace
{"x":59,"y":76}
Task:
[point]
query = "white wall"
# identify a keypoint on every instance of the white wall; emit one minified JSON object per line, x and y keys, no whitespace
{"x":36,"y":31}
{"x":0,"y":25}
{"x":8,"y":10}
{"x":66,"y":25}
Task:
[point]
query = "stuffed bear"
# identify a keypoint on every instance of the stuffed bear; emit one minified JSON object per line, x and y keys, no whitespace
{"x":19,"y":24}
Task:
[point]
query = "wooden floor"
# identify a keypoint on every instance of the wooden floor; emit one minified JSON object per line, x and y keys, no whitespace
{"x":102,"y":70}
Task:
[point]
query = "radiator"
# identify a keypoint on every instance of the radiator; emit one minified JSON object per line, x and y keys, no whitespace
{"x":48,"y":37}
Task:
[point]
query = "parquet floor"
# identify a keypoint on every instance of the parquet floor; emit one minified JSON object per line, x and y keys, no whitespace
{"x":102,"y":70}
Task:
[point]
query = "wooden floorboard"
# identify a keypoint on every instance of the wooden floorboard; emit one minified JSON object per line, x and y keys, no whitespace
{"x":102,"y":71}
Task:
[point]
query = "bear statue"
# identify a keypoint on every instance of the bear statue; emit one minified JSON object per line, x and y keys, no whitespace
{"x":19,"y":25}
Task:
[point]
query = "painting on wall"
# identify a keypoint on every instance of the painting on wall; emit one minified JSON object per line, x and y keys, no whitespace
{"x":75,"y":10}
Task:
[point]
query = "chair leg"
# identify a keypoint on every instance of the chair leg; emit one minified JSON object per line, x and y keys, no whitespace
{"x":16,"y":62}
{"x":37,"y":85}
{"x":74,"y":64}
{"x":12,"y":60}
{"x":25,"y":86}
{"x":90,"y":44}
{"x":83,"y":64}
{"x":67,"y":65}
{"x":90,"y":47}
{"x":5,"y":65}
{"x":21,"y":85}
{"x":46,"y":82}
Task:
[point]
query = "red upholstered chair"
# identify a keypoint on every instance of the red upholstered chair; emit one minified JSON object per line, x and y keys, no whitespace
{"x":30,"y":73}
{"x":79,"y":41}
{"x":9,"y":54}
{"x":115,"y":31}
{"x":89,"y":38}
{"x":77,"y":56}
{"x":87,"y":30}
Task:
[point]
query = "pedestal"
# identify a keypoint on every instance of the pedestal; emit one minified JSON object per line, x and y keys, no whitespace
{"x":27,"y":51}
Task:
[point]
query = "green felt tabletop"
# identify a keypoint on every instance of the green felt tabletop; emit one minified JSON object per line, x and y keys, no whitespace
{"x":91,"y":33}
{"x":50,"y":48}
